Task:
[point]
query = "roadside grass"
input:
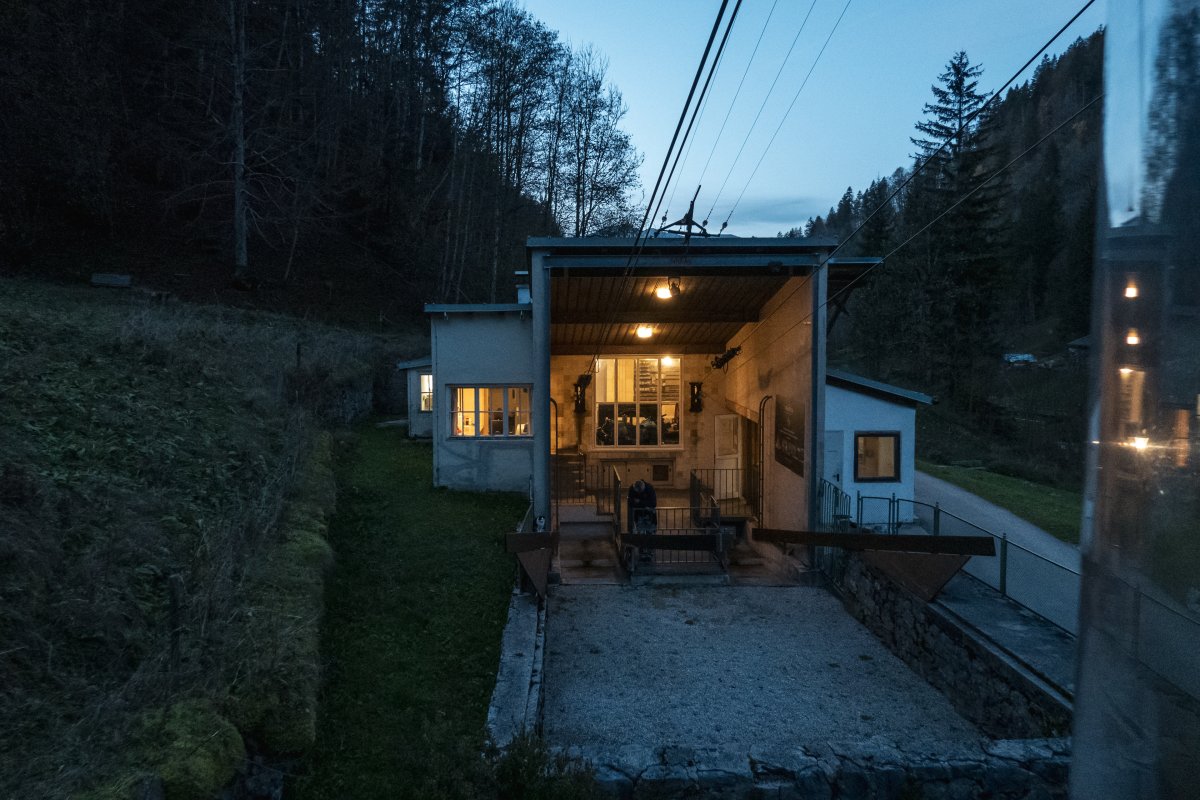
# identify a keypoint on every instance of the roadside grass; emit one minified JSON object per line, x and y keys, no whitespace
{"x":146,"y":454}
{"x":1056,"y":511}
{"x":415,"y":609}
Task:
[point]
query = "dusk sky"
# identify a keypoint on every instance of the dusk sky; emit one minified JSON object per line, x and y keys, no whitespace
{"x":850,"y":124}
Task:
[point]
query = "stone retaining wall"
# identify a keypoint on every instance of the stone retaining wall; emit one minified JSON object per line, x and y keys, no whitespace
{"x":1002,"y":770}
{"x":981,"y":681}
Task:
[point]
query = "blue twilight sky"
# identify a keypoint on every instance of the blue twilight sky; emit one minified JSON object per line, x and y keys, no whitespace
{"x":850,"y":124}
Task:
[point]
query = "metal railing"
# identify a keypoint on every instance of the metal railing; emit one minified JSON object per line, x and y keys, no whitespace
{"x":732,"y":489}
{"x":577,"y":483}
{"x":685,"y":521}
{"x":614,"y":507}
{"x":1040,"y":584}
{"x":833,"y":507}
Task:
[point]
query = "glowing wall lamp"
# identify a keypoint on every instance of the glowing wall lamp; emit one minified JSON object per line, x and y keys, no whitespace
{"x":1132,"y":338}
{"x":668,"y":291}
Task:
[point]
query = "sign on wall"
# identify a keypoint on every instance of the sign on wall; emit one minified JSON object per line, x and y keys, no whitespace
{"x":789,"y":435}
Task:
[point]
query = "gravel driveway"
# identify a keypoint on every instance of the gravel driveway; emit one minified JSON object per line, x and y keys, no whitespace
{"x":734,"y":667}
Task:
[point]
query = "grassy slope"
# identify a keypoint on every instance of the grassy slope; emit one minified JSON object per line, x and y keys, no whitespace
{"x":415,"y":608}
{"x":138,"y":441}
{"x":1056,"y":511}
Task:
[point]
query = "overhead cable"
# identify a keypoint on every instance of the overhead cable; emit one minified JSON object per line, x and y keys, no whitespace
{"x":787,"y":113}
{"x":787,"y":56}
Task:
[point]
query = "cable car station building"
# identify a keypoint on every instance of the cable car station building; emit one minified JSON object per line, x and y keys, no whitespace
{"x":690,"y":361}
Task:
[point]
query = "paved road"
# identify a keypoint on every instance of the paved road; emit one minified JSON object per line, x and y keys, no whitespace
{"x":995,"y":519}
{"x":1042,"y":571}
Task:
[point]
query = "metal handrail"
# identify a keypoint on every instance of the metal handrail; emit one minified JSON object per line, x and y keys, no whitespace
{"x":1055,"y":600}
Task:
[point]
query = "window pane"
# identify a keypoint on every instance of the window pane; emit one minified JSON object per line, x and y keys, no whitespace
{"x":463,"y":415}
{"x":518,"y":412}
{"x":491,"y":401}
{"x":647,"y":379}
{"x":670,"y":380}
{"x":626,"y":424}
{"x":648,"y":424}
{"x":606,"y":380}
{"x":605,"y":412}
{"x":670,"y":423}
{"x":624,"y":380}
{"x":427,"y":393}
{"x":877,"y":457}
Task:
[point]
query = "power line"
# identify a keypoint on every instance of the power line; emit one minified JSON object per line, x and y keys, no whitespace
{"x":679,"y":125}
{"x":970,"y":118}
{"x":921,"y":166}
{"x":640,"y":239}
{"x":966,"y":197}
{"x":767,"y":98}
{"x":703,"y":94}
{"x":737,"y":92}
{"x":936,"y":219}
{"x":792,"y":105}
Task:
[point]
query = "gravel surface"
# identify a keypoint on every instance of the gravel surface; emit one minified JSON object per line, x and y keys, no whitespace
{"x":731,"y":667}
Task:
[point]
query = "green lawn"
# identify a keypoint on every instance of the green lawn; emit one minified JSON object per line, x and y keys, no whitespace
{"x":1056,"y":511}
{"x":415,"y":609}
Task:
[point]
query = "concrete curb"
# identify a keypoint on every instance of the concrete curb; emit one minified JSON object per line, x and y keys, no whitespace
{"x":516,"y":705}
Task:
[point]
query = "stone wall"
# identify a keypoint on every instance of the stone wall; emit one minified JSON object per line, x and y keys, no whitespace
{"x":983,"y":683}
{"x":1002,"y":770}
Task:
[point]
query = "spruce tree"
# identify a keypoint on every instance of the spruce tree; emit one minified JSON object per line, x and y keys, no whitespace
{"x":958,"y":258}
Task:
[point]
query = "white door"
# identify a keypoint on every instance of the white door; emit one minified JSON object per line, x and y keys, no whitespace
{"x":833,"y":458}
{"x":727,"y":480}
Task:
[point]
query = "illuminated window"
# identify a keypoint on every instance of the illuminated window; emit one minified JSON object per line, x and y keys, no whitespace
{"x":637,"y":401}
{"x":489,"y":411}
{"x":877,"y":456}
{"x":426,"y":393}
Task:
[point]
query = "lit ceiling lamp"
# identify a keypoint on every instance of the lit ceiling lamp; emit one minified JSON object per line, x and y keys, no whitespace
{"x":1132,"y":338}
{"x":644,"y":331}
{"x":1131,"y":290}
{"x":668,"y":291}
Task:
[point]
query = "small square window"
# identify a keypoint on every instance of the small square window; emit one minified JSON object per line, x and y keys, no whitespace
{"x":876,"y":457}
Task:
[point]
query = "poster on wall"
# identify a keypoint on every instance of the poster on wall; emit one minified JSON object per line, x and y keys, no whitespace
{"x":789,"y":435}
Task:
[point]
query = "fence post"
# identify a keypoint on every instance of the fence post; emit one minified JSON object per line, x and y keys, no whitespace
{"x":1004,"y":564}
{"x":894,"y":514}
{"x":858,"y":502}
{"x":937,"y":518}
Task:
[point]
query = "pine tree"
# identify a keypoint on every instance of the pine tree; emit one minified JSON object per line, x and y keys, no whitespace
{"x":958,"y":258}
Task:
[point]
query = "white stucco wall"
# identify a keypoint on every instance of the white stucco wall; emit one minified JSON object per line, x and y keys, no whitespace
{"x":848,"y":412}
{"x":776,"y":360}
{"x":480,"y":349}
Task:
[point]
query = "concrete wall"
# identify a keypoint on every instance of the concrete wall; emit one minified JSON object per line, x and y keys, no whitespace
{"x":480,"y":349}
{"x":697,"y":431}
{"x":848,"y":412}
{"x":420,"y":423}
{"x":777,"y":360}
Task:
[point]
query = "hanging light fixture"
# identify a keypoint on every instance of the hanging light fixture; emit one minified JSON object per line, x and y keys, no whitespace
{"x":644,"y":331}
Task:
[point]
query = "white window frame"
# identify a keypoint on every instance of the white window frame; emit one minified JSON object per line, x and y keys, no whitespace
{"x":518,"y":417}
{"x":658,"y":402}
